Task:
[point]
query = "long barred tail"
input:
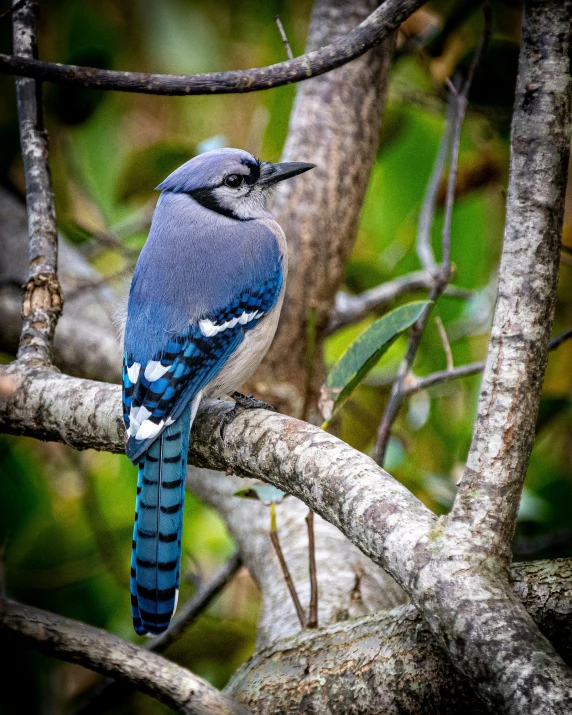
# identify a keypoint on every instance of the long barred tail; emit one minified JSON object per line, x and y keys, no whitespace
{"x":156,"y":555}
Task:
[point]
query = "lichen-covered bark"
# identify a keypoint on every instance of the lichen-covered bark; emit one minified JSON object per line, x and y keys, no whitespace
{"x":115,"y":657}
{"x":43,"y":301}
{"x":489,"y":494}
{"x":85,"y":343}
{"x":390,"y":663}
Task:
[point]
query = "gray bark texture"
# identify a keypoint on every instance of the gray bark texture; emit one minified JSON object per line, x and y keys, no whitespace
{"x":344,"y":109}
{"x":389,"y":662}
{"x":43,"y":302}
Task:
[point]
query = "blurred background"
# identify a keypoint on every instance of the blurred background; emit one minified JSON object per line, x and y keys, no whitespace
{"x":66,"y":517}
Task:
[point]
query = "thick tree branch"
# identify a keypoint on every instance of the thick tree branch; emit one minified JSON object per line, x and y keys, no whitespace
{"x":399,"y":665}
{"x":376,"y":28}
{"x":110,"y":655}
{"x":487,"y":502}
{"x":488,"y":633}
{"x":43,"y":299}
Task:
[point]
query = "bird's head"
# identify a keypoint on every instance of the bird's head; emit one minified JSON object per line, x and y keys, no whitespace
{"x":231,"y":181}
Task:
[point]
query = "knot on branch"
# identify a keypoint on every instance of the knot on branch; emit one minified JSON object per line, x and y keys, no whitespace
{"x":42,"y":293}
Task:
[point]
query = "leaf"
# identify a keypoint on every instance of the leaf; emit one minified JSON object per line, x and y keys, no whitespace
{"x":265,"y":493}
{"x":363,"y":354}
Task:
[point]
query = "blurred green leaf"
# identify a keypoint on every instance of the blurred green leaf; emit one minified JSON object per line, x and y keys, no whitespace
{"x":363,"y":354}
{"x":265,"y":493}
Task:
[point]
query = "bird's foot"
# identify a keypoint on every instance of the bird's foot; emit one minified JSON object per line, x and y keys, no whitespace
{"x":248,"y":402}
{"x":242,"y":403}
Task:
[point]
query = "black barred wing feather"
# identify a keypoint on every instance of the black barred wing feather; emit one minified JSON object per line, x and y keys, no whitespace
{"x":156,"y":393}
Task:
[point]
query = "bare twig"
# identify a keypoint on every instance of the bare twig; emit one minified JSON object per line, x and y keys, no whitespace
{"x":284,"y":566}
{"x":445,"y":342}
{"x":486,"y":505}
{"x":416,"y":384}
{"x":378,"y":26}
{"x":458,"y":106}
{"x":105,"y":653}
{"x":313,"y":609}
{"x":559,"y":339}
{"x":96,"y":285}
{"x":427,"y":215}
{"x":352,"y":308}
{"x":42,"y":301}
{"x":284,"y":38}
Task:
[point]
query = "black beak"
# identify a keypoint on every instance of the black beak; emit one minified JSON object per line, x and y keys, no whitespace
{"x":273,"y":173}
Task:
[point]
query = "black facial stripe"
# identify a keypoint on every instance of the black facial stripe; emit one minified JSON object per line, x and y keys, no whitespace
{"x":206,"y":198}
{"x":254,"y":175}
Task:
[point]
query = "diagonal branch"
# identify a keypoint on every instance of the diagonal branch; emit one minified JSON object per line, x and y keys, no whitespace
{"x":487,"y":502}
{"x":110,"y":655}
{"x":43,"y":300}
{"x":402,"y":668}
{"x":378,"y":26}
{"x":352,"y":308}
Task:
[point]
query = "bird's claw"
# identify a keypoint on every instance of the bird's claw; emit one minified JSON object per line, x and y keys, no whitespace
{"x":248,"y":402}
{"x":242,"y":403}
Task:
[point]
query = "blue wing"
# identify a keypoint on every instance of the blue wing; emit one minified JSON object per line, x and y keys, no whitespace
{"x":156,"y":393}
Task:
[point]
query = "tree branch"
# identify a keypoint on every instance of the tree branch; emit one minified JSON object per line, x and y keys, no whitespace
{"x":375,"y":512}
{"x":455,"y":117}
{"x":352,"y":308}
{"x":43,"y":300}
{"x":100,"y":651}
{"x":402,"y":668}
{"x":487,"y":502}
{"x":377,"y":27}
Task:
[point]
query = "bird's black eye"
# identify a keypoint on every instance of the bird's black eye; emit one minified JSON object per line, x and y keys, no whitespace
{"x":234,"y":180}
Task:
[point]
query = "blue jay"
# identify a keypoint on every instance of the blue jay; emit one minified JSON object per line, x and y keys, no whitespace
{"x":203,"y":308}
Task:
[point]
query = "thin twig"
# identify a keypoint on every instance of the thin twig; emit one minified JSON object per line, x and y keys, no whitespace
{"x":350,"y":309}
{"x":284,"y":37}
{"x":84,"y":288}
{"x":416,"y":384}
{"x":427,"y":215}
{"x":372,"y":31}
{"x":42,"y":301}
{"x":445,"y":342}
{"x":313,"y":609}
{"x":284,"y":566}
{"x":458,"y":104}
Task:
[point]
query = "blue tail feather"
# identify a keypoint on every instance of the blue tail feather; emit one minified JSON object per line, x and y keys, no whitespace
{"x":156,"y":554}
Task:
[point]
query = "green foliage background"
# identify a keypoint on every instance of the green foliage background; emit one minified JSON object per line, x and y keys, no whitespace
{"x":66,"y":518}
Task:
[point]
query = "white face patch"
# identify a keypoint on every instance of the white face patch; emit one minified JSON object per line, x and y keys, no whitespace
{"x":208,"y":328}
{"x":133,"y":372}
{"x":245,"y":202}
{"x":154,"y":370}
